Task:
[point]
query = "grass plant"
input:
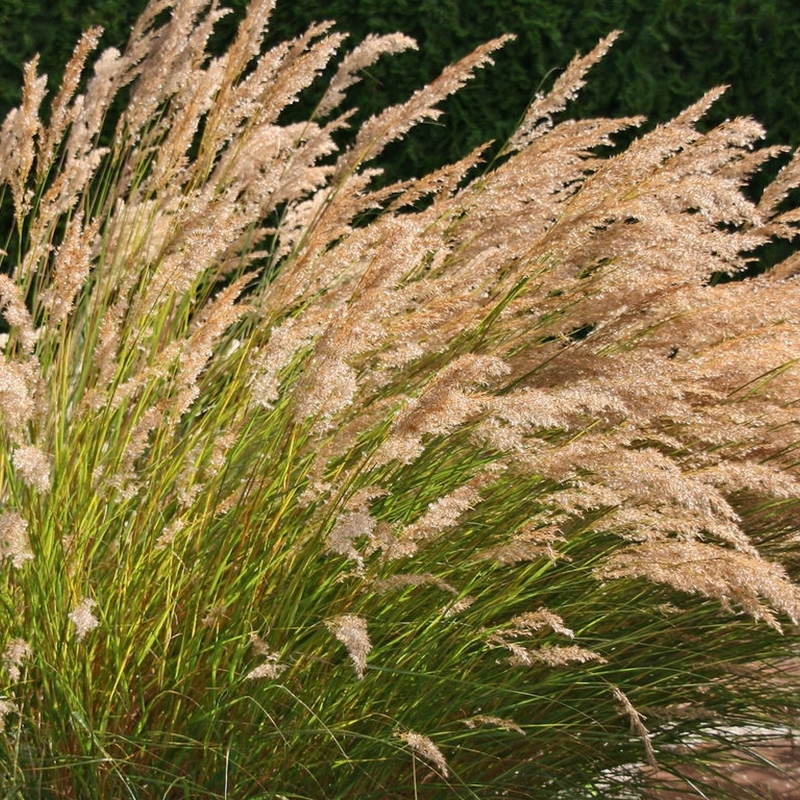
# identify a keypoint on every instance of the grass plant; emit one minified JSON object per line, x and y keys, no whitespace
{"x":483,"y":484}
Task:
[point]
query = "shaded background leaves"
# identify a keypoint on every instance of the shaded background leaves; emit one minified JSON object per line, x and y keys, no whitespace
{"x":670,"y":54}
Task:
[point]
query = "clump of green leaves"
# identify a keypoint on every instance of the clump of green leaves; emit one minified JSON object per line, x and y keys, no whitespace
{"x":479,"y":483}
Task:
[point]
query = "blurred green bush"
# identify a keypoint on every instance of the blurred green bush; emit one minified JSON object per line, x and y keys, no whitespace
{"x":672,"y":51}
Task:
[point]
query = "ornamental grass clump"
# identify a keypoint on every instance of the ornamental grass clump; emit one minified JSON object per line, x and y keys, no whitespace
{"x":479,"y":484}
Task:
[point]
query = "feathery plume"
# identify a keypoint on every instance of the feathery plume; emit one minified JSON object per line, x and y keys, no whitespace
{"x":362,"y":56}
{"x":351,"y":631}
{"x":539,"y":116}
{"x":424,"y":747}
{"x":759,"y":587}
{"x":637,"y":724}
{"x":270,"y":668}
{"x":497,"y":722}
{"x":15,"y":654}
{"x":83,"y":619}
{"x":33,"y":466}
{"x":14,"y":543}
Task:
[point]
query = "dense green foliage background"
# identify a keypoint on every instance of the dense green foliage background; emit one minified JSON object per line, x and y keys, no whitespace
{"x":672,"y":51}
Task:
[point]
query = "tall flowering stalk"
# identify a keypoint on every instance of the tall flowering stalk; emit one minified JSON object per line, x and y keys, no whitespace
{"x":479,"y":484}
